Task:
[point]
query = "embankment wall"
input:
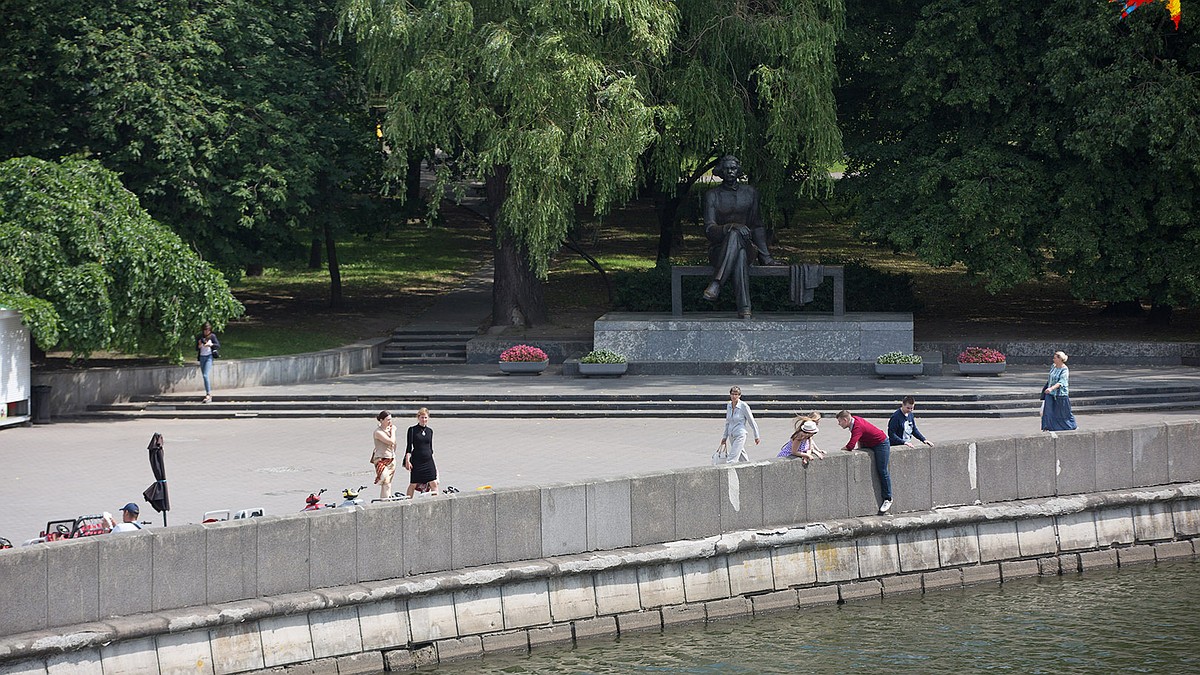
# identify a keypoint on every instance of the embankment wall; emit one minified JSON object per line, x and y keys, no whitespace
{"x":75,"y":390}
{"x":292,"y":589}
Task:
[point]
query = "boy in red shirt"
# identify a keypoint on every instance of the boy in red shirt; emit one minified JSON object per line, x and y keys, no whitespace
{"x":870,"y":438}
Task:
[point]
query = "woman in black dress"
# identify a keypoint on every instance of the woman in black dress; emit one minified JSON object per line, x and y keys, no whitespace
{"x":418,"y":456}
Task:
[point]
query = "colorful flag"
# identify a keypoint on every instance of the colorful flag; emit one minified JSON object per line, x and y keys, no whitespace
{"x":1130,"y":5}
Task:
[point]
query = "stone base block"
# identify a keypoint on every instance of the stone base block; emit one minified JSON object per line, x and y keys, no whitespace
{"x":550,"y":635}
{"x":941,"y":579}
{"x":678,"y":615}
{"x":899,"y":585}
{"x":601,"y":626}
{"x":860,"y":590}
{"x":366,"y":663}
{"x":512,"y":642}
{"x":715,"y":337}
{"x":1016,"y":569}
{"x":981,"y":574}
{"x":728,"y":608}
{"x":821,"y":595}
{"x":459,"y":649}
{"x":638,"y":622}
{"x":1174,"y":550}
{"x":774,"y":602}
{"x":1098,"y":560}
{"x":1050,"y":566}
{"x":1134,"y":555}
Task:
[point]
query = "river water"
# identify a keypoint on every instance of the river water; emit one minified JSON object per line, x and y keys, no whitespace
{"x":1136,"y":620}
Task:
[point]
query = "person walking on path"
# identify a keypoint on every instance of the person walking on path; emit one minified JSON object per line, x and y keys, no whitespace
{"x":207,"y":346}
{"x":383,"y":458}
{"x":737,"y":416}
{"x":902,"y":428}
{"x":871,"y":439}
{"x":418,"y":456}
{"x":1056,"y":400}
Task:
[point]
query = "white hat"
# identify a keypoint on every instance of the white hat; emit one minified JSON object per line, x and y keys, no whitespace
{"x":809,"y":427}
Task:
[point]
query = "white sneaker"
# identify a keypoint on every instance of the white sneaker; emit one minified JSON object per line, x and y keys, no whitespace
{"x":887,"y":504}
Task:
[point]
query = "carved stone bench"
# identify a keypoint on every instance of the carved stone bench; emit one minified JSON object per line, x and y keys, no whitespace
{"x":836,"y":272}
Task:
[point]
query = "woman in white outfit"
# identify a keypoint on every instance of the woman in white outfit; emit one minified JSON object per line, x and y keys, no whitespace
{"x":737,"y":417}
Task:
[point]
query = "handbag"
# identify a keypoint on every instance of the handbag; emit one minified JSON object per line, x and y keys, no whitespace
{"x":721,"y":456}
{"x":1043,"y":390}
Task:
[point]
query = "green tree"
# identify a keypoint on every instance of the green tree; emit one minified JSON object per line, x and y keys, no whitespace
{"x":749,"y":77}
{"x":90,"y":270}
{"x":546,"y":101}
{"x":241,"y":124}
{"x":1057,"y":137}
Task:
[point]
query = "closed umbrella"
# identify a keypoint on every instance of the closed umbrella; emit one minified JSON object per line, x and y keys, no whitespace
{"x":156,"y":495}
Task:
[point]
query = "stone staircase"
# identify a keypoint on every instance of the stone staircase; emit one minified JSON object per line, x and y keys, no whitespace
{"x":426,"y":347}
{"x":590,"y":406}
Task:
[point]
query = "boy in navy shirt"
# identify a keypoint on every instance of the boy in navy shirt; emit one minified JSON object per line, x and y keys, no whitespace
{"x":902,"y":428}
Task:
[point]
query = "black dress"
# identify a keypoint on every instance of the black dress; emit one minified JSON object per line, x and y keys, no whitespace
{"x":420,"y":444}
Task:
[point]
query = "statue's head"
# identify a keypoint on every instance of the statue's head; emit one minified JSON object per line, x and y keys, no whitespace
{"x":728,"y":169}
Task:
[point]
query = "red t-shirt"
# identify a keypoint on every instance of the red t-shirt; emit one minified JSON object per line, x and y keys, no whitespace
{"x":865,"y":433}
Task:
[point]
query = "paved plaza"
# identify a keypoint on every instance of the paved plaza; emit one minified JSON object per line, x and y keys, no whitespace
{"x":71,"y":468}
{"x":75,"y":467}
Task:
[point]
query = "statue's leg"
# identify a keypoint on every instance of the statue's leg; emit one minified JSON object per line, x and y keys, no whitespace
{"x":760,"y":242}
{"x":725,"y":263}
{"x":741,"y":282}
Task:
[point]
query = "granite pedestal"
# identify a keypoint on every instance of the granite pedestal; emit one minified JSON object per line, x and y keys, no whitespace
{"x":652,"y":341}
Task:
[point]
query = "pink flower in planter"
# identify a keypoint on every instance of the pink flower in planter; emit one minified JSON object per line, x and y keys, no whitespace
{"x":980,"y":355}
{"x":523,"y":353}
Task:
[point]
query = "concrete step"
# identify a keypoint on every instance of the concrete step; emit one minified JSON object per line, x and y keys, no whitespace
{"x":229,"y":407}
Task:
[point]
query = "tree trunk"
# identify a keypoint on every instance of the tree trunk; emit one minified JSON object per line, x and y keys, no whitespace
{"x":412,"y":186}
{"x":314,"y":253}
{"x":335,"y":272}
{"x":517,"y":294}
{"x":667,"y":208}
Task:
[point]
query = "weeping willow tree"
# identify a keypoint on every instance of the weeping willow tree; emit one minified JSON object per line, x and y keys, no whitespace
{"x":751,"y":77}
{"x":545,"y":101}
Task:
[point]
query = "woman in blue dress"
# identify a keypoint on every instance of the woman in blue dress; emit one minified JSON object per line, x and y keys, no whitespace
{"x":1056,"y":405}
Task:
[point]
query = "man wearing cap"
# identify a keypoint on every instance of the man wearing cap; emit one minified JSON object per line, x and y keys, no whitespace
{"x":129,"y":516}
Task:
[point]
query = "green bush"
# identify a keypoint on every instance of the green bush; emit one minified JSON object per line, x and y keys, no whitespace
{"x":898,"y":358}
{"x":602,"y":356}
{"x":867,"y":290}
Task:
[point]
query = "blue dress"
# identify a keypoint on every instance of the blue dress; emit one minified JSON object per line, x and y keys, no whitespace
{"x":1056,"y":407}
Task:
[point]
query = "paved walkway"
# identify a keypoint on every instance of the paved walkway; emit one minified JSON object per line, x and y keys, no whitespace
{"x":70,"y":468}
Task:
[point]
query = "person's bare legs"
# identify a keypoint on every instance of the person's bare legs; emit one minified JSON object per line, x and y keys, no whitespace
{"x":433,"y":487}
{"x":412,"y":487}
{"x":385,"y":490}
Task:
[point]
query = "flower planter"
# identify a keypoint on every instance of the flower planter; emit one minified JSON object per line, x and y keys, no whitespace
{"x":899,"y":369}
{"x":523,"y":367}
{"x":603,"y":369}
{"x":981,"y":368}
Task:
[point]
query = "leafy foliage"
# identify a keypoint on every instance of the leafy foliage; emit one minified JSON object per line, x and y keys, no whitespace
{"x":754,"y":79}
{"x":546,"y":94}
{"x":90,"y":270}
{"x":867,"y":290}
{"x":898,"y":358}
{"x":238,"y":123}
{"x":602,"y":356}
{"x":1066,"y":141}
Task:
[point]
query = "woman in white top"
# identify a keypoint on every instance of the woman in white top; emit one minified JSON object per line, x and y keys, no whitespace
{"x":737,"y":417}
